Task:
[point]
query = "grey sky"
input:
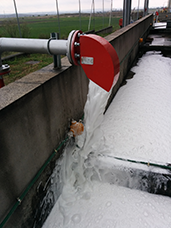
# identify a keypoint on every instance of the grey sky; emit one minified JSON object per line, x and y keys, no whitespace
{"x":25,"y":6}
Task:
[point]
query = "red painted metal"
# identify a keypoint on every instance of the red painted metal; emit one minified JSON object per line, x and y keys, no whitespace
{"x":99,"y":60}
{"x":1,"y":82}
{"x":5,"y":72}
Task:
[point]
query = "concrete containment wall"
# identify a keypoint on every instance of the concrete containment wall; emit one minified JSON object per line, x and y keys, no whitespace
{"x":34,"y":117}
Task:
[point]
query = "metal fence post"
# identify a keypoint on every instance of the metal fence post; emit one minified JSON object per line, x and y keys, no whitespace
{"x":138,"y":9}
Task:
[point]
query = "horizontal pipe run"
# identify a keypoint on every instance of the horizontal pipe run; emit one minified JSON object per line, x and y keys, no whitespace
{"x":167,"y":167}
{"x":43,"y":46}
{"x":58,"y":47}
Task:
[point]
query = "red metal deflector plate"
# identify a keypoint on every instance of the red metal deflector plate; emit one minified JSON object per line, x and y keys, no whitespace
{"x":99,"y":60}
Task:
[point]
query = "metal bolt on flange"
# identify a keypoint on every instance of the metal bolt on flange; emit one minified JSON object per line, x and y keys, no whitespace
{"x":76,"y":44}
{"x":77,"y":55}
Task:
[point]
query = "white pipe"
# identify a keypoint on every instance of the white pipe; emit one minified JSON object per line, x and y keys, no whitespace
{"x":110,"y":16}
{"x":15,"y":6}
{"x":138,"y":9}
{"x":54,"y":47}
{"x":89,"y":24}
{"x":57,"y":47}
{"x":126,"y":12}
{"x":103,"y":11}
{"x":57,"y":9}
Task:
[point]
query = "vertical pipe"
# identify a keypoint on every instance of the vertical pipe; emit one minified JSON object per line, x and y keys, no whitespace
{"x":129,"y":13}
{"x":15,"y":6}
{"x":126,"y":12}
{"x":169,"y":5}
{"x":103,"y":11}
{"x":138,"y":9}
{"x":93,"y":15}
{"x":146,"y":7}
{"x":89,"y":24}
{"x":129,"y":10}
{"x":80,"y":12}
{"x":110,"y":17}
{"x":57,"y":9}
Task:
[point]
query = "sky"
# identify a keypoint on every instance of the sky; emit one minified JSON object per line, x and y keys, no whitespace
{"x":31,"y":6}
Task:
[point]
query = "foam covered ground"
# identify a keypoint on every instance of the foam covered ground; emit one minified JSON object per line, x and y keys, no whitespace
{"x":137,"y":124}
{"x":110,"y":206}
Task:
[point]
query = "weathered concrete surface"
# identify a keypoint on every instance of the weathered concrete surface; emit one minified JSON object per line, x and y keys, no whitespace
{"x":34,"y":116}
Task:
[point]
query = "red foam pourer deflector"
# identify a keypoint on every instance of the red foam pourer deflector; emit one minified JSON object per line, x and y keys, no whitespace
{"x":99,"y":60}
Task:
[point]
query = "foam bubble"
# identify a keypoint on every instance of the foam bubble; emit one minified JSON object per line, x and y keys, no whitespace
{"x":76,"y":218}
{"x":108,"y":204}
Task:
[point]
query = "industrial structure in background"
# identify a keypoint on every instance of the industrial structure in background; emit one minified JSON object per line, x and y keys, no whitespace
{"x":169,"y":5}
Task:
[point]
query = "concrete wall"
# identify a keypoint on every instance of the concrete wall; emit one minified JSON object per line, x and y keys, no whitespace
{"x":34,"y":117}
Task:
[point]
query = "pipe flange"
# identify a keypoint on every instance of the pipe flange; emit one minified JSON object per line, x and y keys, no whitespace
{"x":73,"y":49}
{"x":69,"y":46}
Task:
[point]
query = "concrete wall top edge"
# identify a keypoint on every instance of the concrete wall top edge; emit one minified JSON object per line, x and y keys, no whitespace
{"x":127,"y":38}
{"x":123,"y":30}
{"x":21,"y":87}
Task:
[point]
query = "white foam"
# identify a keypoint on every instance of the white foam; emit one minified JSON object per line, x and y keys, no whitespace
{"x":137,"y":124}
{"x":112,"y":206}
